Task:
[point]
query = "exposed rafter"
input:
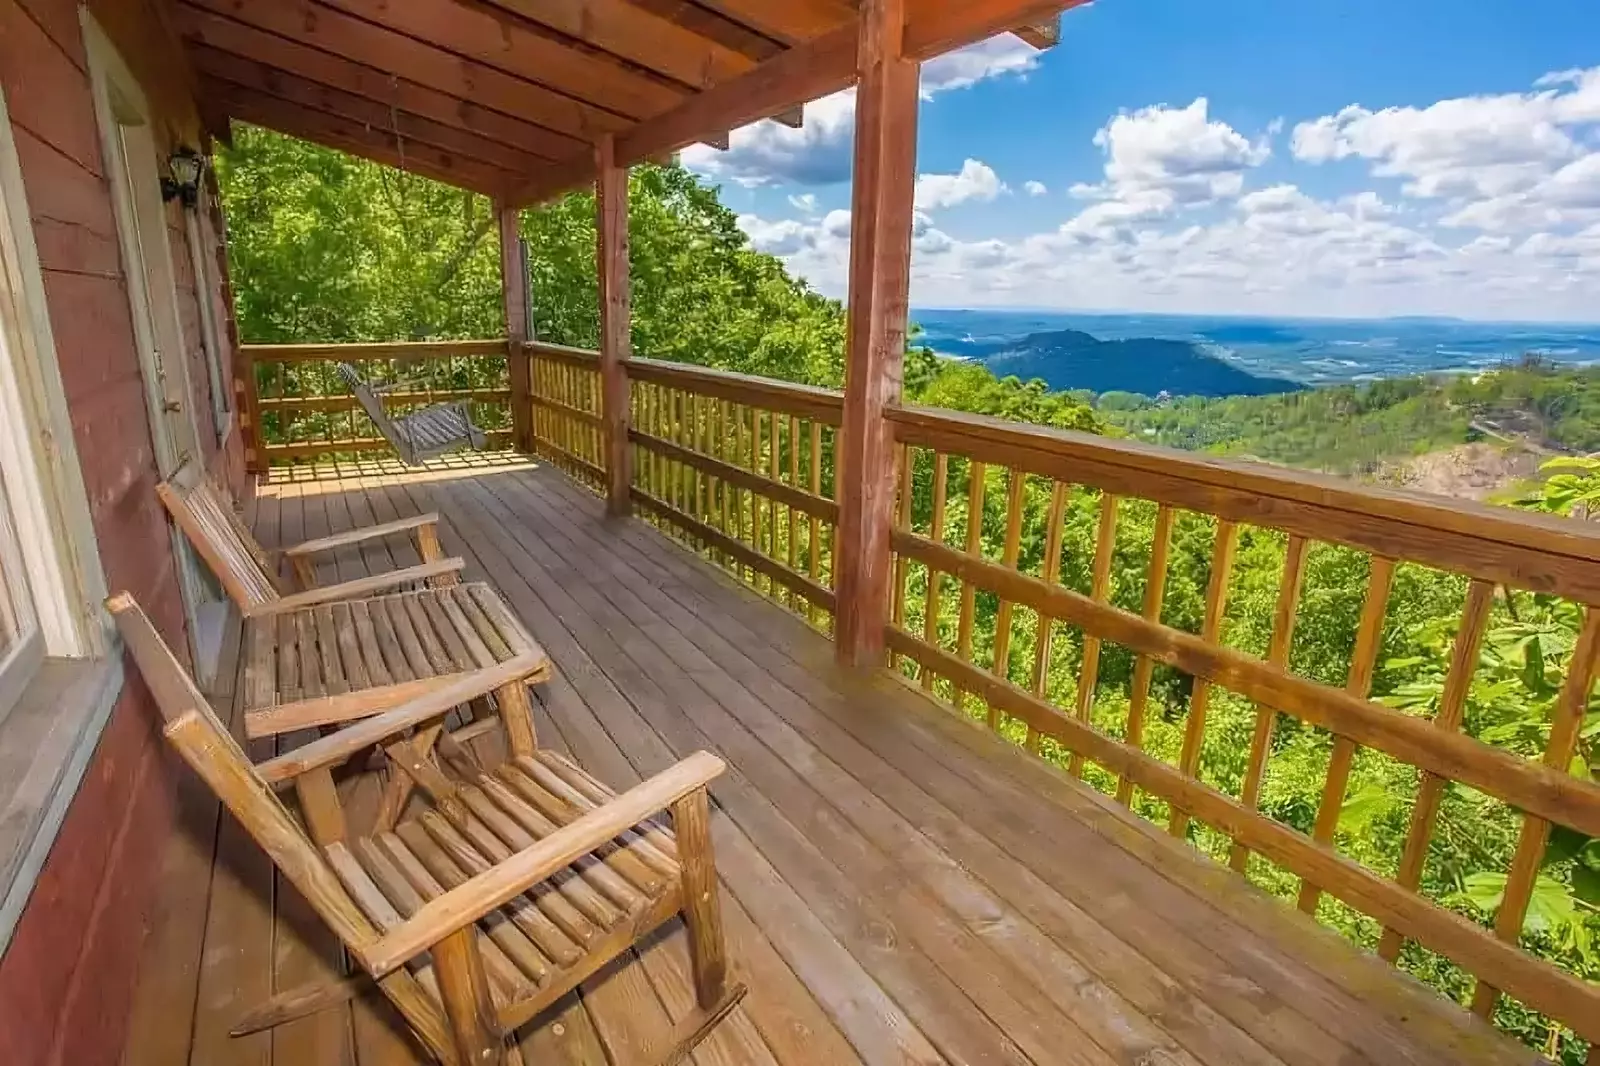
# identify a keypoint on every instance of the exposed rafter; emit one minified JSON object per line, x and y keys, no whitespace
{"x":208,"y":30}
{"x":360,"y":140}
{"x":806,"y":72}
{"x":245,"y":74}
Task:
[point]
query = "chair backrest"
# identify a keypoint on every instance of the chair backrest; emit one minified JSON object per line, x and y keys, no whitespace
{"x":204,"y":512}
{"x":372,"y":405}
{"x":211,"y":751}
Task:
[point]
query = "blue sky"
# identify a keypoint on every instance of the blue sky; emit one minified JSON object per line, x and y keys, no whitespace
{"x":1342,"y":157}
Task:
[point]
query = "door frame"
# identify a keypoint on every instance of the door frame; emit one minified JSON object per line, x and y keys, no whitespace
{"x":126,"y":125}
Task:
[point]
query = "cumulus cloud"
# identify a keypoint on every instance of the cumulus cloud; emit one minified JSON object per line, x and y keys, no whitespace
{"x":976,"y":181}
{"x":806,"y":202}
{"x":1480,"y":206}
{"x":1174,"y":156}
{"x":820,"y":151}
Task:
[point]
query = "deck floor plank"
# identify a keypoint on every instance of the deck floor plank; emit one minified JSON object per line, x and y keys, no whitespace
{"x":898,"y":886}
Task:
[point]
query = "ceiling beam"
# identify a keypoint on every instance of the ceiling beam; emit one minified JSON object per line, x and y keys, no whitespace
{"x":713,"y":27}
{"x":427,"y":64}
{"x":513,"y":47}
{"x":246,"y":74}
{"x":1041,"y":35}
{"x":789,"y":21}
{"x":203,"y":29}
{"x":356,"y":139}
{"x":633,"y":34}
{"x":803,"y":73}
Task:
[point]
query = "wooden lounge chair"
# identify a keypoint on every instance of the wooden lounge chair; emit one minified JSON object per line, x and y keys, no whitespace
{"x":204,"y":512}
{"x":477,"y":915}
{"x":422,"y":434}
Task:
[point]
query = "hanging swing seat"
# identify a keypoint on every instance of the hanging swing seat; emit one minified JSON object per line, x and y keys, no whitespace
{"x":422,"y":434}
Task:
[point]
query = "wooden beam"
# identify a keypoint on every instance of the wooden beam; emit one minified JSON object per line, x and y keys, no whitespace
{"x":792,"y":21}
{"x":595,"y":84}
{"x":250,"y":75}
{"x":426,"y":63}
{"x":713,"y":27}
{"x":235,"y":38}
{"x":1042,"y":35}
{"x":880,"y":275}
{"x":358,"y":140}
{"x":635,"y":35}
{"x":519,"y":323}
{"x":793,"y":117}
{"x":616,"y":342}
{"x":806,"y":72}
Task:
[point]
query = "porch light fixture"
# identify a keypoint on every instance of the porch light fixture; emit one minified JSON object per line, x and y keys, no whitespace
{"x":184,"y":182}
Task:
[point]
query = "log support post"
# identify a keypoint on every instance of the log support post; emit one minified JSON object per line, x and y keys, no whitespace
{"x":880,"y":268}
{"x":519,"y":325}
{"x":611,"y":235}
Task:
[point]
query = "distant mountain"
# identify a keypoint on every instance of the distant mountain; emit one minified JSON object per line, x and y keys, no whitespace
{"x":1070,"y":359}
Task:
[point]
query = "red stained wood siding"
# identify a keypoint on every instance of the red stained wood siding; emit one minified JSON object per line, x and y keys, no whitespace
{"x":67,"y":978}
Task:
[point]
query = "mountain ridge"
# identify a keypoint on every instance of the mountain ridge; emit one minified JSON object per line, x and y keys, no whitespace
{"x":1070,"y":359}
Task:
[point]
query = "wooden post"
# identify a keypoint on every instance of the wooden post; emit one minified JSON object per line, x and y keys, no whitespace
{"x":519,"y":325}
{"x":880,"y":268}
{"x":611,"y":235}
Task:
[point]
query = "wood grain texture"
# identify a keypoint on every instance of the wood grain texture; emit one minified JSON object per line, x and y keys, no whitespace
{"x":616,"y":325}
{"x":880,"y":275}
{"x":881,"y":862}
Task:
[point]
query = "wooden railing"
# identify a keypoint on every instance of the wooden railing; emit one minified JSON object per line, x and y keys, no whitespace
{"x":990,"y":514}
{"x":1085,"y":598}
{"x":566,"y":411}
{"x":297,"y":408}
{"x":741,"y":469}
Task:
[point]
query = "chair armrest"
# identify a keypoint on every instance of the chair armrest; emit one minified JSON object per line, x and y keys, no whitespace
{"x":360,"y":588}
{"x":337,"y":747}
{"x":495,"y":887}
{"x":359,"y":536}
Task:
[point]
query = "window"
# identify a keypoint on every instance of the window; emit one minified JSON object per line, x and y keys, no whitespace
{"x":203,"y":246}
{"x":21,"y":647}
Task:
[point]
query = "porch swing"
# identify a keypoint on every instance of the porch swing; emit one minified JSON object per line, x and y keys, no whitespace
{"x":422,"y":434}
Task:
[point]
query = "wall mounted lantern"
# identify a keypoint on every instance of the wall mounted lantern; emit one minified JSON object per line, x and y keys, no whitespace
{"x":184,"y":182}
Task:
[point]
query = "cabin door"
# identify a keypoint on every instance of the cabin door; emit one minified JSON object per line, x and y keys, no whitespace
{"x":134,"y":163}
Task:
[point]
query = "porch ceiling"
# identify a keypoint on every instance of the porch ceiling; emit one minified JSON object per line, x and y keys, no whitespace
{"x":508,"y":97}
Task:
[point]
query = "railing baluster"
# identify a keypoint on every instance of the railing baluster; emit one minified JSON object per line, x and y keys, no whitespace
{"x":1211,"y":632}
{"x":977,"y":474}
{"x":1044,"y":637}
{"x":794,"y":480}
{"x":1452,"y":705}
{"x":902,"y":520}
{"x":814,"y":561}
{"x":1571,"y":706}
{"x":1010,"y":550}
{"x":1369,"y":640}
{"x":930,"y":620}
{"x":1283,"y":619}
{"x":1105,"y":546}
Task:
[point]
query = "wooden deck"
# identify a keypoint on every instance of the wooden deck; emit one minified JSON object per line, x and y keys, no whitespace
{"x":899,"y":887}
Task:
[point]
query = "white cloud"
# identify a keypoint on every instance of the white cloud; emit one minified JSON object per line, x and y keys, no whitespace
{"x":820,"y":151}
{"x":976,"y":181}
{"x":1173,"y":156}
{"x":1481,"y":206}
{"x":806,"y":202}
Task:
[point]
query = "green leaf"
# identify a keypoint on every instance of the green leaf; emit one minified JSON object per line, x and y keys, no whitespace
{"x":1564,"y":844}
{"x":1364,"y":806}
{"x":1483,"y":890}
{"x":1586,"y":884}
{"x":1550,"y":908}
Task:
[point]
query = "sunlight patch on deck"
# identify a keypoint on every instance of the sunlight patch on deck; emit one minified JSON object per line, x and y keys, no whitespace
{"x":318,"y":478}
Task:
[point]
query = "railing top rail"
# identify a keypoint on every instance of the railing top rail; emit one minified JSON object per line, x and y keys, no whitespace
{"x":312,"y":353}
{"x":806,"y":401}
{"x":562,"y":351}
{"x":1539,"y":552}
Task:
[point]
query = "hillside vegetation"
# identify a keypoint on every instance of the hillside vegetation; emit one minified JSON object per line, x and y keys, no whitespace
{"x":325,"y":248}
{"x":1355,"y":429}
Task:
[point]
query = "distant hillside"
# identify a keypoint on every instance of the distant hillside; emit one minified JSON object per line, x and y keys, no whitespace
{"x":1070,"y":359}
{"x":1377,"y":429}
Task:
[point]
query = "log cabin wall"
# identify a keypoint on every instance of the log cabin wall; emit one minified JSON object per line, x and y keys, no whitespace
{"x":67,"y":977}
